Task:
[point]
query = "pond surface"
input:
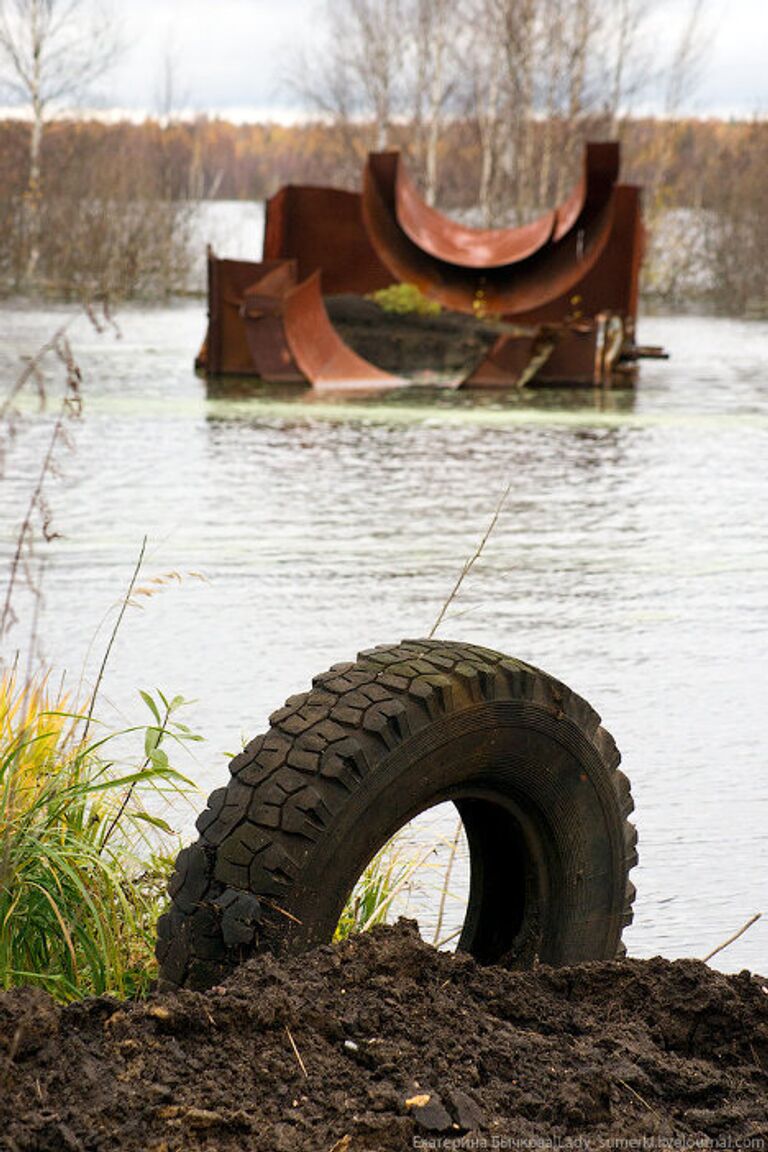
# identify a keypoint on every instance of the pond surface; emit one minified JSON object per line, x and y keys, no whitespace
{"x":631,"y":561}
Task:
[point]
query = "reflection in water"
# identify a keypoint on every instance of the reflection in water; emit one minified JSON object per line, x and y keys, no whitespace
{"x":631,"y":561}
{"x":420,"y":397}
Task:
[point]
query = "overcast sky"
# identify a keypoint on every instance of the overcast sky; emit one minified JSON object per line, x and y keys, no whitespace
{"x":234,"y":57}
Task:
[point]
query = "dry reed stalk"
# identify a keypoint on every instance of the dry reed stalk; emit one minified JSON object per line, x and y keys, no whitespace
{"x":296,"y":1053}
{"x":38,"y":516}
{"x":32,"y":371}
{"x":725,"y":944}
{"x":37,"y":508}
{"x":470,"y":563}
{"x":446,"y":881}
{"x":112,"y":638}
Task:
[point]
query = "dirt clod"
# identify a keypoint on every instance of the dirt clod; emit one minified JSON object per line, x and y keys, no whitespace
{"x":651,"y":1050}
{"x":429,"y":1112}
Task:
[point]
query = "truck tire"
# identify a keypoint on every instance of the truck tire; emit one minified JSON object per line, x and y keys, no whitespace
{"x":344,"y":766}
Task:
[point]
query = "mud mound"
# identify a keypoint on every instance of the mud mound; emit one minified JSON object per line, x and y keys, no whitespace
{"x":383,"y":1043}
{"x":411,"y":345}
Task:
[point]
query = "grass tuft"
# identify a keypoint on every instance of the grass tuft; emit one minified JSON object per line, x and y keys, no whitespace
{"x":372,"y":896}
{"x":84,"y":854}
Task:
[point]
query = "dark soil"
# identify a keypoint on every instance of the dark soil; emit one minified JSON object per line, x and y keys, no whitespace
{"x":448,"y":345}
{"x":396,"y":1046}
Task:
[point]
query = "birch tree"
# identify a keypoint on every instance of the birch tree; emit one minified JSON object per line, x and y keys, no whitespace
{"x":51,"y":53}
{"x":487,"y":96}
{"x":533,"y":78}
{"x":487,"y":101}
{"x":359,"y":69}
{"x":625,"y":68}
{"x":437,"y":34}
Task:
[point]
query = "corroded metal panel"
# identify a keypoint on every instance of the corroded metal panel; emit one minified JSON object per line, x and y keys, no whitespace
{"x":323,"y":357}
{"x":612,"y":283}
{"x":261,"y":312}
{"x":453,"y":243}
{"x":322,"y":230}
{"x":225,"y":350}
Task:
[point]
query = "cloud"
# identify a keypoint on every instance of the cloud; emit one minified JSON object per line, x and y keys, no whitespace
{"x":236,"y":56}
{"x":232,"y":53}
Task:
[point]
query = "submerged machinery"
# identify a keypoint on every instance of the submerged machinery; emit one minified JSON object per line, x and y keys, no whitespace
{"x":551,"y":302}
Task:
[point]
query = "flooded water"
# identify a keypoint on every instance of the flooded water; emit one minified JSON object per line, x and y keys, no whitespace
{"x":631,"y":560}
{"x":233,"y":228}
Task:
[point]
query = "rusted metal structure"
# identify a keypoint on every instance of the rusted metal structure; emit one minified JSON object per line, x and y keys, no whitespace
{"x":263,"y":322}
{"x":562,"y":290}
{"x":508,"y":272}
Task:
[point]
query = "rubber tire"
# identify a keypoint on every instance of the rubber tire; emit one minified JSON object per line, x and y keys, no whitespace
{"x":374,"y":743}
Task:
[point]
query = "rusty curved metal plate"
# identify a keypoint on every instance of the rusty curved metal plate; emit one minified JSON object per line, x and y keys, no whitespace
{"x":323,"y":357}
{"x":609,"y":288}
{"x":226,"y":349}
{"x":612,"y":283}
{"x":454,"y":243}
{"x":276,"y":280}
{"x":529,"y":283}
{"x":600,"y":174}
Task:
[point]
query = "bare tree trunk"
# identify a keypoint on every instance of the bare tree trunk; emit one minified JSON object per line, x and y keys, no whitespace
{"x":380,"y":31}
{"x":516,"y":24}
{"x":488,"y":129}
{"x":682,"y":77}
{"x":578,"y":34}
{"x":32,"y":198}
{"x":619,"y":64}
{"x":631,"y":67}
{"x":33,"y":195}
{"x":50,"y":50}
{"x":484,"y":62}
{"x":435,"y":27}
{"x":358,"y":73}
{"x":435,"y":107}
{"x":552,"y":67}
{"x":686,"y":59}
{"x":421,"y":80}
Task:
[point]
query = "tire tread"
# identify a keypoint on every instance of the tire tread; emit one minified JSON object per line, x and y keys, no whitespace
{"x":289,"y":783}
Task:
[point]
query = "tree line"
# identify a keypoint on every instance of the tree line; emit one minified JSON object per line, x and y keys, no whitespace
{"x":206,"y":159}
{"x":120,"y":198}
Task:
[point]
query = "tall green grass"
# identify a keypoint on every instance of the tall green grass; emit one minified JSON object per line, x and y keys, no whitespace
{"x":84,"y":855}
{"x":370,"y":901}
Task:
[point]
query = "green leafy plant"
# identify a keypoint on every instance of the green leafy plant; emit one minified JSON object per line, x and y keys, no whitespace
{"x":404,"y":299}
{"x":374,"y":892}
{"x":84,"y":852}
